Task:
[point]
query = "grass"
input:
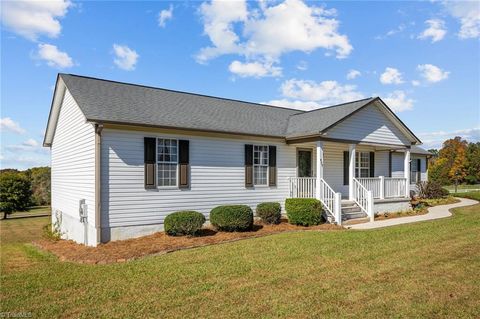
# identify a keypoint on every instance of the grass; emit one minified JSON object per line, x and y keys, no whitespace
{"x":427,"y":269}
{"x":471,"y":195}
{"x":34,"y":211}
{"x":451,"y":188}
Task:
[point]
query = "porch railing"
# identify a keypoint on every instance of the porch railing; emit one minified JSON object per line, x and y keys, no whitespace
{"x":302,"y":187}
{"x":306,"y":187}
{"x":384,"y":187}
{"x":363,"y":197}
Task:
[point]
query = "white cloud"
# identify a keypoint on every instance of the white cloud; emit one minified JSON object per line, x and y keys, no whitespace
{"x":398,"y":101}
{"x":352,"y":74}
{"x":391,"y":76}
{"x":30,"y":18}
{"x":415,"y":82}
{"x":31,"y":143}
{"x":392,"y":32}
{"x":254,"y":69}
{"x":436,"y":30}
{"x":54,"y":57}
{"x":307,"y":95}
{"x":302,"y":65}
{"x":432,"y":73}
{"x":9,"y":125}
{"x":265,"y":33}
{"x":125,"y":58}
{"x":436,"y":139}
{"x":164,"y":16}
{"x":468,"y":14}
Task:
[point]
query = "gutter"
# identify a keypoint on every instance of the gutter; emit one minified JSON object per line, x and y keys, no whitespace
{"x":98,"y":181}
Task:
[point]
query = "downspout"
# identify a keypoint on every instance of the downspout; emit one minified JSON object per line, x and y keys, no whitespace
{"x":98,"y":181}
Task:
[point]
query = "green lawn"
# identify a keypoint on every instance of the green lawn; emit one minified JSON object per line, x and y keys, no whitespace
{"x":451,"y":188}
{"x":428,"y":269}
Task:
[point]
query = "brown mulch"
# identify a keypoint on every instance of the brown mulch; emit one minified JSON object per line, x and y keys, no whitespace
{"x":159,"y":243}
{"x":405,"y":214}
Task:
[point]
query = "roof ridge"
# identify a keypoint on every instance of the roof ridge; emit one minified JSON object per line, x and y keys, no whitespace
{"x":183,"y":92}
{"x":336,"y":105}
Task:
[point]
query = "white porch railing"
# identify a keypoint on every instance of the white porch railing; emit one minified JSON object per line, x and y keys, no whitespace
{"x":395,"y":187}
{"x":384,"y":187}
{"x":305,"y":187}
{"x":302,"y":187}
{"x":363,"y":197}
{"x":373,"y":184}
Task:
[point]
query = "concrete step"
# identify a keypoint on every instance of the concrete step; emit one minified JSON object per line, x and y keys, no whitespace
{"x":349,"y":216}
{"x":346,"y":202}
{"x":351,"y":209}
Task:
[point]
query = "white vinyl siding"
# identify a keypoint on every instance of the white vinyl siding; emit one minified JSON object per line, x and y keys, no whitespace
{"x":73,"y":170}
{"x":397,"y":165}
{"x":217,"y":177}
{"x":369,"y":125}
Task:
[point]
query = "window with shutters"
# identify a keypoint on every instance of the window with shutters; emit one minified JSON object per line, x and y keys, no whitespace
{"x":362,"y":164}
{"x":167,"y":162}
{"x":414,"y":178}
{"x":260,"y":165}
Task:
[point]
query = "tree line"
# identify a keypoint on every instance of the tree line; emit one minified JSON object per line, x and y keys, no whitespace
{"x":20,"y":190}
{"x":457,"y":162}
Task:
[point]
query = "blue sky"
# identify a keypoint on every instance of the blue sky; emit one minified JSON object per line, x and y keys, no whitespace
{"x":422,"y":58}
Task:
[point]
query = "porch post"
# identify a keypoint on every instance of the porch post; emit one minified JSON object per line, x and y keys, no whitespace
{"x":406,"y":171}
{"x":319,"y":168}
{"x":351,"y":171}
{"x":382,"y":187}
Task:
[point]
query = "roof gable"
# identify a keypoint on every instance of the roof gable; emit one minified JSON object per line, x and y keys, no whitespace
{"x":370,"y":124}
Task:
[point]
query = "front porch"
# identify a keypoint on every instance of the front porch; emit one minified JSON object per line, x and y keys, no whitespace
{"x":361,"y":189}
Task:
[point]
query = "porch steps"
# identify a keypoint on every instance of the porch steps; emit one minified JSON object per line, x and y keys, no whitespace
{"x":350,"y":210}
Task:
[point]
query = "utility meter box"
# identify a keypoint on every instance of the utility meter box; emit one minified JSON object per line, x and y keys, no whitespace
{"x":83,"y":211}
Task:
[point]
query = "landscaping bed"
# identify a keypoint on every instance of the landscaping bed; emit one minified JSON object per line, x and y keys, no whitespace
{"x":160,"y":243}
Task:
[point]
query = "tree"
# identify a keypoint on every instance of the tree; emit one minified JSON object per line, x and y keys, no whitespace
{"x":473,"y":163}
{"x":15,"y":192}
{"x":40,"y":179}
{"x":458,"y":170}
{"x":449,"y":166}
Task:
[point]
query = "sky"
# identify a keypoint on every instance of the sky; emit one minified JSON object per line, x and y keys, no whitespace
{"x":421,"y":58}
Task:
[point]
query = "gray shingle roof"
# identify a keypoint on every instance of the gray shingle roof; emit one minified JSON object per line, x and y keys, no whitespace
{"x":108,"y":101}
{"x":419,"y":150}
{"x":123,"y":103}
{"x":314,"y":122}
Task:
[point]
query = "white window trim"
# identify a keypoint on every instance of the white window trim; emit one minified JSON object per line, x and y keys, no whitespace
{"x":359,"y":168}
{"x":268,"y":163}
{"x":157,"y":162}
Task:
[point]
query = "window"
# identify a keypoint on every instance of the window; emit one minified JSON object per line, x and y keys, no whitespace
{"x":260,"y":165}
{"x":362,"y":164}
{"x":414,"y":171}
{"x":167,"y":160}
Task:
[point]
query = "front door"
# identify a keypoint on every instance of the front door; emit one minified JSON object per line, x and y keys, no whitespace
{"x":304,"y":163}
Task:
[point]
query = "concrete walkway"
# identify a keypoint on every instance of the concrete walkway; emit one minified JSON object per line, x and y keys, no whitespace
{"x":433,"y":213}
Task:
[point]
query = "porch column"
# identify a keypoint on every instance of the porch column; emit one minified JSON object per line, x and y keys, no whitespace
{"x":406,"y":172}
{"x":351,"y":171}
{"x":319,"y":168}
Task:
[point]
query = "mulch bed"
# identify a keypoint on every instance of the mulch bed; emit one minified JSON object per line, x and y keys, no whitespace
{"x":159,"y":243}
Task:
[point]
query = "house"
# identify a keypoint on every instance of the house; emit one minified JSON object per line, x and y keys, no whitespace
{"x":124,"y":156}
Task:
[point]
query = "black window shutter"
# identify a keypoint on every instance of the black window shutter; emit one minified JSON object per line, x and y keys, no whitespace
{"x":372,"y":164}
{"x":184,"y":163}
{"x":419,"y":170}
{"x":389,"y":164}
{"x":426,"y":163}
{"x":248,"y":165}
{"x":346,"y":158}
{"x":272,"y":165}
{"x":150,"y":161}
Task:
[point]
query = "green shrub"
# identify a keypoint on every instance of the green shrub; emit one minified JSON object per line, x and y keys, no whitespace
{"x":15,"y":192}
{"x":270,"y":213}
{"x":232,"y":218}
{"x":303,"y":211}
{"x":183,"y":223}
{"x":431,"y":190}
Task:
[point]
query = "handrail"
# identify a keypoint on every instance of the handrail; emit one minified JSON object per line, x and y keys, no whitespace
{"x":302,"y":187}
{"x":327,"y":196}
{"x":360,"y":195}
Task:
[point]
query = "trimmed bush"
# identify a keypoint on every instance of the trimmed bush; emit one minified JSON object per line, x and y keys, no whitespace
{"x":303,"y":211}
{"x":183,"y":223}
{"x":232,"y":218}
{"x":270,"y":213}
